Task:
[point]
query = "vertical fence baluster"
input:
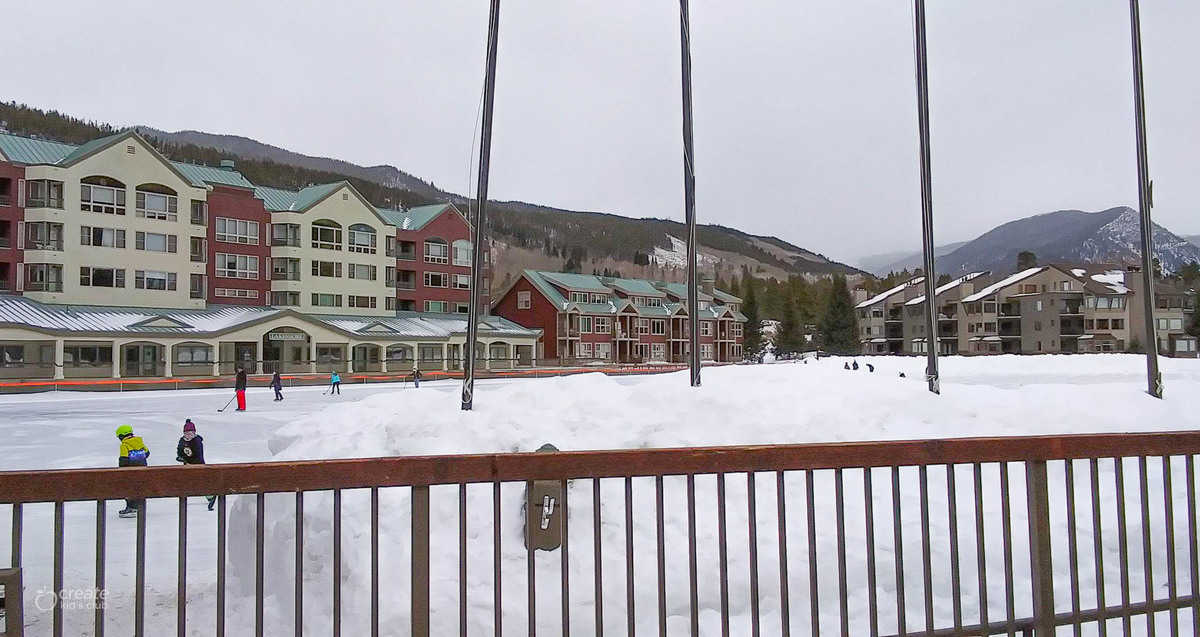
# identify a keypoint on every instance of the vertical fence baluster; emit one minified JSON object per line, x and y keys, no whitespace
{"x":629,"y":609}
{"x":872,"y":599}
{"x":1147,"y":555}
{"x":1169,"y":522}
{"x":839,"y":501}
{"x":980,"y":545}
{"x":98,"y":623}
{"x":497,"y":598}
{"x":1072,"y":545}
{"x":926,"y":560}
{"x":1098,"y":546}
{"x":1041,"y":568}
{"x":952,"y":518}
{"x":420,"y":561}
{"x":564,"y":565}
{"x":57,"y":614}
{"x":181,"y":572}
{"x":139,"y":593}
{"x":1123,"y":541}
{"x":14,"y":557}
{"x":597,"y":561}
{"x":722,"y":555}
{"x":1006,"y":519}
{"x":785,"y":615}
{"x":462,"y":559}
{"x":259,"y":561}
{"x":693,"y":584}
{"x":374,"y":562}
{"x":221,"y":566}
{"x":1193,"y":559}
{"x":530,"y":565}
{"x":752,"y":537}
{"x":898,"y":543}
{"x":814,"y":608}
{"x":337,"y":562}
{"x":659,"y":536}
{"x":299,"y":586}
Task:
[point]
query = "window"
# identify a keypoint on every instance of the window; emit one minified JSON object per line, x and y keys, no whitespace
{"x":462,"y":308}
{"x":599,"y":298}
{"x":704,"y":305}
{"x":103,"y":199}
{"x":87,"y":355}
{"x":285,"y":235}
{"x":236,"y":231}
{"x":361,"y":301}
{"x":1185,"y":345}
{"x":406,"y":250}
{"x":43,"y":277}
{"x":196,"y":286}
{"x":389,"y":303}
{"x":1089,"y":324}
{"x":437,"y":280}
{"x":603,"y":350}
{"x":658,"y":327}
{"x":1118,"y":324}
{"x":1170,"y":324}
{"x":101,"y":237}
{"x":160,"y":206}
{"x":326,"y":235}
{"x":436,"y":306}
{"x":652,"y":302}
{"x":1037,"y":306}
{"x":198,"y":354}
{"x":326,"y":300}
{"x":285,"y":299}
{"x":41,"y":235}
{"x":462,"y":282}
{"x":199,"y":213}
{"x":706,"y":328}
{"x":236,"y":266}
{"x":154,"y":280}
{"x":737,"y":329}
{"x":361,"y":238}
{"x":155,"y":242}
{"x":643,"y":326}
{"x":360,"y":271}
{"x":462,"y":253}
{"x":436,"y":251}
{"x":12,"y":355}
{"x":1101,"y":324}
{"x":1037,"y":326}
{"x":389,"y":246}
{"x":585,"y":325}
{"x":524,"y":300}
{"x":603,"y":325}
{"x":585,"y":350}
{"x":102,"y":277}
{"x":989,"y":307}
{"x":43,"y":193}
{"x":235,"y":293}
{"x":198,"y":249}
{"x":327,"y":268}
{"x":706,"y":351}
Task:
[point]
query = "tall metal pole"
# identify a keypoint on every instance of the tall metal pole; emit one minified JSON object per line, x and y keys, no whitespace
{"x":479,"y":245}
{"x":931,"y":324}
{"x":689,"y":197}
{"x":1145,"y":201}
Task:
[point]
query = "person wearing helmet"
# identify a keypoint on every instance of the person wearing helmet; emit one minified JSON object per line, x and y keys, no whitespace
{"x":133,"y":453}
{"x":190,"y":450}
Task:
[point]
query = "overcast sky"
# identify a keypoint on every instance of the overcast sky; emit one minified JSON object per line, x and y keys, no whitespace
{"x":805,"y":110}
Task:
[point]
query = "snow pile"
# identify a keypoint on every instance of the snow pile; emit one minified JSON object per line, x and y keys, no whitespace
{"x":737,"y":405}
{"x":676,"y":256}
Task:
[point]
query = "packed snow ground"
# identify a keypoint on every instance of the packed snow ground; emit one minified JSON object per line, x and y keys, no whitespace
{"x":785,"y":403}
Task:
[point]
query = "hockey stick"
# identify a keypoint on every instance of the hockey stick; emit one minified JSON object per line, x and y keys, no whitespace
{"x":227,"y":404}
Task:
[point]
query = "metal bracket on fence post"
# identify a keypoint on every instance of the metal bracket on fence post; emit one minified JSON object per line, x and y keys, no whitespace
{"x":1041,"y":565}
{"x":14,"y":622}
{"x":420,"y":561}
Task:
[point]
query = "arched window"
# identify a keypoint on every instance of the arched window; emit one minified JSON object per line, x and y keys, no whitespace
{"x":326,"y":235}
{"x":462,"y":253}
{"x":436,"y":250}
{"x":102,"y":194}
{"x":361,"y":239}
{"x":156,"y":201}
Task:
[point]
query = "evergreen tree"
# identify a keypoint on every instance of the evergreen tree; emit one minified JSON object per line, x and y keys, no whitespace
{"x":839,"y":324}
{"x":1026,"y":260}
{"x":752,"y":333}
{"x":787,"y":335}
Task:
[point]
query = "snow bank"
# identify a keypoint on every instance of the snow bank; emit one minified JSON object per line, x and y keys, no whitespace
{"x":737,"y":405}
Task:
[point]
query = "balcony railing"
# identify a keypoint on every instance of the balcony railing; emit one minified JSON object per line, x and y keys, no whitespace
{"x":43,"y":286}
{"x":42,"y":202}
{"x":406,"y":284}
{"x":53,"y":245}
{"x":285,"y":242}
{"x":285,"y":276}
{"x":5,"y":200}
{"x":859,"y":504}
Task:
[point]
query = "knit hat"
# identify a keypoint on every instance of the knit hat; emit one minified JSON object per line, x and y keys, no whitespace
{"x":188,"y":425}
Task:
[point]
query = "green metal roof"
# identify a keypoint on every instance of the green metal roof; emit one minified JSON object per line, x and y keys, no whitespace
{"x":201,"y":174}
{"x":596,"y":308}
{"x":275,"y":199}
{"x":413,"y":218}
{"x":23,"y":150}
{"x":637,"y":287}
{"x":726,"y":297}
{"x":679,"y":290}
{"x":580,"y":282}
{"x":308,"y":197}
{"x":90,"y":147}
{"x":544,"y":286}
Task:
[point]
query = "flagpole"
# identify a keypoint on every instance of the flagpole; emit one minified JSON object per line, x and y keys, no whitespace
{"x":931,"y":329}
{"x":689,"y":196}
{"x":479,"y":243}
{"x":1145,"y":201}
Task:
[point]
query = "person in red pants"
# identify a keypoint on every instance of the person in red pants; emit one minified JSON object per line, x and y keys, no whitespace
{"x":239,"y":388}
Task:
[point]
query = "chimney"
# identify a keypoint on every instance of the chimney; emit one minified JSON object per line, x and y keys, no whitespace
{"x":227,"y":164}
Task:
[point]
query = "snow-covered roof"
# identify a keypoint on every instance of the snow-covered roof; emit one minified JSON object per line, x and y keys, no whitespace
{"x":999,"y":285}
{"x":1114,"y":279}
{"x":945,"y":288}
{"x":883,"y":296}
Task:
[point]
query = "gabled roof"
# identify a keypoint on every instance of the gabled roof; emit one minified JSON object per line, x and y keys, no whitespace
{"x":312,"y":195}
{"x":201,"y":174}
{"x":726,"y":297}
{"x":94,"y":146}
{"x":945,"y":288}
{"x":1003,"y":283}
{"x":578,"y":282}
{"x":883,"y":296}
{"x":549,"y":291}
{"x":275,"y":199}
{"x":24,"y":150}
{"x":679,"y":291}
{"x":414,"y":218}
{"x":280,"y":200}
{"x":635,"y":287}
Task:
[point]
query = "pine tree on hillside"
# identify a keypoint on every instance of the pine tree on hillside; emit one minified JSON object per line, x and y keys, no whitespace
{"x":752,"y":333}
{"x":839,"y":324}
{"x":787,"y":335}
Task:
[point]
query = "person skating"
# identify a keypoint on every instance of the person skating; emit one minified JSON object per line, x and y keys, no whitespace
{"x":870,"y":368}
{"x":854,"y":366}
{"x":416,"y":375}
{"x":239,"y":388}
{"x":133,"y":453}
{"x":190,"y":450}
{"x":277,"y":385}
{"x":335,"y":384}
{"x":846,"y":366}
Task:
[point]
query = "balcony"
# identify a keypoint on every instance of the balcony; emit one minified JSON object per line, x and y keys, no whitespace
{"x":285,"y":242}
{"x":1071,"y":308}
{"x":895,"y":315}
{"x":1010,"y":329}
{"x":5,"y":200}
{"x":1010,"y":309}
{"x":52,"y":245}
{"x":43,"y":286}
{"x":285,"y":276}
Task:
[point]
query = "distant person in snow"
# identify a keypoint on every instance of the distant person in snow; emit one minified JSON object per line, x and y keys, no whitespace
{"x":277,"y":385}
{"x":416,"y":376}
{"x":902,"y":375}
{"x":239,"y":388}
{"x":870,"y":368}
{"x":133,"y":453}
{"x":190,"y":450}
{"x":846,"y":366}
{"x":335,"y":384}
{"x":854,"y":366}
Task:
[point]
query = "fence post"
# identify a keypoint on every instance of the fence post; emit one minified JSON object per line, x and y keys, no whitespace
{"x":420,"y":561}
{"x":1041,"y":566}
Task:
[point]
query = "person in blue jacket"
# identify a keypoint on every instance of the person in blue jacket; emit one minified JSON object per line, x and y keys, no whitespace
{"x":335,"y":384}
{"x":190,"y":450}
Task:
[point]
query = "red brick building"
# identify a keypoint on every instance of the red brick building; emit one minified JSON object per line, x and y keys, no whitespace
{"x":584,"y":317}
{"x":11,"y":214}
{"x":433,"y":259}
